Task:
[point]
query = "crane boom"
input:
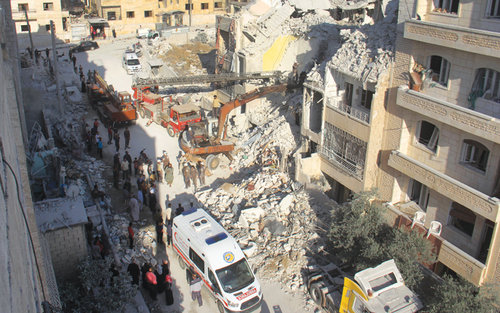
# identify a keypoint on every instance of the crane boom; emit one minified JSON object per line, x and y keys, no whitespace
{"x":200,"y":79}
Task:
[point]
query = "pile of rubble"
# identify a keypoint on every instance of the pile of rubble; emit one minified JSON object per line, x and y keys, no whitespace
{"x":272,"y":219}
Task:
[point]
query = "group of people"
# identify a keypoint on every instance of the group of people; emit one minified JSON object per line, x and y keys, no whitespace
{"x":193,"y":173}
{"x":155,"y":281}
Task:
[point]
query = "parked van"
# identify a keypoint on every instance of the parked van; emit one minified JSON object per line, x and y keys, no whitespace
{"x":131,"y":62}
{"x":211,"y":252}
{"x":142,"y":32}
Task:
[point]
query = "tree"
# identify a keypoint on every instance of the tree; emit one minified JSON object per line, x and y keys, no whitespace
{"x":96,"y":289}
{"x":360,"y":235}
{"x":459,"y":296}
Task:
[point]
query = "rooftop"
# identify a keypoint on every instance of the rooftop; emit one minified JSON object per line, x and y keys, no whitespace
{"x":58,"y":213}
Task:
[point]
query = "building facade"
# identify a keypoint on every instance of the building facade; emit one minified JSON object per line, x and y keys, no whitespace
{"x":424,"y":134}
{"x":27,"y":280}
{"x":39,"y":14}
{"x":442,"y":135}
{"x":127,"y":15}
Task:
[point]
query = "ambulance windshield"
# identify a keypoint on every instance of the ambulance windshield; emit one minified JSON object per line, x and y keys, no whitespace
{"x":235,"y":276}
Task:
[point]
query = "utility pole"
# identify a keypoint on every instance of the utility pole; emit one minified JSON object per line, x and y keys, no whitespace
{"x":190,"y":7}
{"x":54,"y":66}
{"x":29,"y":32}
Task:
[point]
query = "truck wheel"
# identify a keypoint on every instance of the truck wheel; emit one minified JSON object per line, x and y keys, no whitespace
{"x":221,"y":307}
{"x":316,"y":294}
{"x":213,"y":162}
{"x":181,"y":262}
{"x":171,"y":131}
{"x":141,"y":112}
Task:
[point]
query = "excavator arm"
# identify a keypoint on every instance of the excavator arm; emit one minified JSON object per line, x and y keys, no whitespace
{"x":244,"y":99}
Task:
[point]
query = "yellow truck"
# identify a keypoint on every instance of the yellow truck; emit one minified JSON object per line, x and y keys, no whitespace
{"x":379,"y":289}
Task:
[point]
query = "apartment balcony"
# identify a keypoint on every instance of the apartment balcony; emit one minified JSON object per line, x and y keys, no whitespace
{"x":342,"y":162}
{"x":478,"y":202}
{"x":450,"y":255}
{"x":20,"y":16}
{"x":473,"y":122}
{"x":455,"y":37}
{"x":357,"y":113}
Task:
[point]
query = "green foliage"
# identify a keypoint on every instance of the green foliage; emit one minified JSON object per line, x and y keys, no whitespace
{"x":459,"y":296}
{"x":96,"y":290}
{"x":360,"y":236}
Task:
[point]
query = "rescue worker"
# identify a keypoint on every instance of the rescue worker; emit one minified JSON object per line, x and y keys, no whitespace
{"x":193,"y":173}
{"x":126,"y":136}
{"x":169,"y":175}
{"x":201,"y":172}
{"x":186,"y":173}
{"x":215,"y":107}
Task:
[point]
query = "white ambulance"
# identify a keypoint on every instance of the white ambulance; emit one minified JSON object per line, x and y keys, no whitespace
{"x":210,"y":251}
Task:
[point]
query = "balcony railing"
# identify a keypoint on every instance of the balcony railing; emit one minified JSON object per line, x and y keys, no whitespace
{"x":348,"y":166}
{"x":353,"y":112}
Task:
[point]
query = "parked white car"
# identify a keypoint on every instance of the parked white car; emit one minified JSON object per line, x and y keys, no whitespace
{"x":131,"y":62}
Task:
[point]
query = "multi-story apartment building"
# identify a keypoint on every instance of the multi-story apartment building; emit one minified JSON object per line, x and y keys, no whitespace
{"x":26,"y":276}
{"x":39,"y":13}
{"x":442,"y":136}
{"x":428,"y":140}
{"x":127,"y":15}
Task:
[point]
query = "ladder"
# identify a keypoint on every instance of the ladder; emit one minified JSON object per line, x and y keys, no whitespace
{"x":207,"y":78}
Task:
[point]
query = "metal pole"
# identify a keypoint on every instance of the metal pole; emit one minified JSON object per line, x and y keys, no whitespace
{"x":54,"y":66}
{"x":189,"y":12}
{"x":29,"y":32}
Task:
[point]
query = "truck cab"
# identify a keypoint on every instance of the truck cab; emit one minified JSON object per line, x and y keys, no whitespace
{"x":182,"y":115}
{"x":210,"y":251}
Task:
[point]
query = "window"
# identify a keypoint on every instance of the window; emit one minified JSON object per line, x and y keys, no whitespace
{"x":48,"y":6}
{"x":204,"y":6}
{"x":218,"y":5}
{"x":428,"y":135}
{"x":130,"y":14}
{"x":24,"y":28}
{"x":197,"y":260}
{"x":419,"y":193}
{"x":446,"y":6}
{"x":348,"y":94}
{"x":23,"y":6}
{"x":186,"y":6}
{"x":487,"y":84}
{"x":462,"y":218}
{"x":111,"y":16}
{"x":475,"y":154}
{"x":148,"y":13}
{"x":366,"y":98}
{"x":440,"y":69}
{"x":493,"y":9}
{"x":47,"y":27}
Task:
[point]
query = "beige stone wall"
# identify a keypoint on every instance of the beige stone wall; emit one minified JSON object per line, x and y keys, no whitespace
{"x":22,"y":277}
{"x":68,"y":246}
{"x":470,"y":14}
{"x":127,"y":24}
{"x":402,"y":121}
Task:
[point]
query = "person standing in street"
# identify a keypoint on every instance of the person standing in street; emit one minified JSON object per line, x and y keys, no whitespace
{"x":129,"y":160}
{"x":159,"y":171}
{"x":124,"y":167}
{"x":215,"y":107}
{"x":193,"y":173}
{"x":110,"y":134}
{"x":201,"y":172}
{"x":152,"y":198}
{"x":134,"y":208}
{"x":134,"y":271}
{"x":195,"y":286}
{"x":126,"y":136}
{"x":151,"y":283}
{"x":169,"y":232}
{"x":179,"y":210}
{"x":159,"y":232}
{"x":186,"y":173}
{"x":168,"y":212}
{"x":99,"y":147}
{"x":169,"y":174}
{"x":117,"y":141}
{"x":130,"y":236}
